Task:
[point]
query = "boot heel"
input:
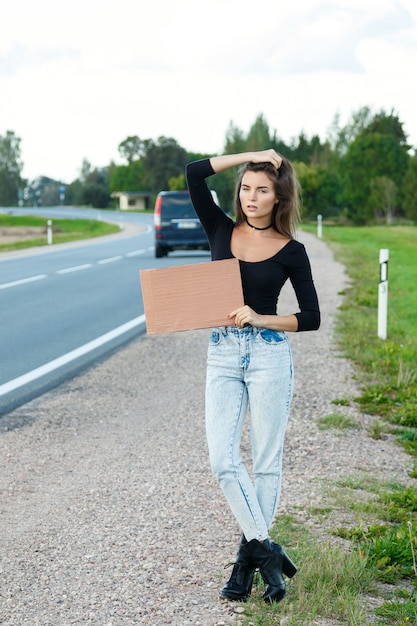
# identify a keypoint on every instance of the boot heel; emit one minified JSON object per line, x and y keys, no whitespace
{"x":288,"y":567}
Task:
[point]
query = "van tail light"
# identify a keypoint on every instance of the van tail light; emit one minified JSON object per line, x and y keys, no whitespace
{"x":157,"y":214}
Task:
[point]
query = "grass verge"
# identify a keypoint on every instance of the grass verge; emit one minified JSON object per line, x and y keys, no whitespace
{"x":370,"y":577}
{"x":63,"y":230}
{"x":387,"y":369}
{"x":365,"y":576}
{"x":328,"y":586}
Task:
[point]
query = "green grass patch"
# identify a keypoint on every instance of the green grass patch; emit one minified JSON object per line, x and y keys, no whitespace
{"x":407,"y":438}
{"x":64,"y":230}
{"x":387,"y":369}
{"x":341,"y":401}
{"x":401,"y":611}
{"x":367,"y":483}
{"x":390,"y":547}
{"x":389,"y":544}
{"x":337,"y":421}
{"x":329,"y":583}
{"x":377,"y":429}
{"x":334,"y":581}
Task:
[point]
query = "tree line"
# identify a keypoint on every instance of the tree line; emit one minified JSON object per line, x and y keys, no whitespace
{"x":364,"y":171}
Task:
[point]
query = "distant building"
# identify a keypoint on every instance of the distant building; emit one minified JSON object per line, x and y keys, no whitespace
{"x":133,"y":200}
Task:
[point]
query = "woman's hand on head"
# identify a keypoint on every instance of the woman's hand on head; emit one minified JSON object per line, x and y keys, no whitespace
{"x":267,"y":156}
{"x":226,"y":161}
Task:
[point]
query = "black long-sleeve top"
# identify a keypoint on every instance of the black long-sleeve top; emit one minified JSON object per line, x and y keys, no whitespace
{"x":262,"y":281}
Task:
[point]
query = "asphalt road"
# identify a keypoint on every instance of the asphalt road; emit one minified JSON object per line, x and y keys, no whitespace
{"x":63,"y":309}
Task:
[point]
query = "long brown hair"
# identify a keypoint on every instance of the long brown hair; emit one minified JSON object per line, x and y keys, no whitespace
{"x":286,"y":212}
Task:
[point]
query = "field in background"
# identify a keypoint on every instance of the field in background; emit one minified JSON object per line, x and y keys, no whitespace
{"x":25,"y":231}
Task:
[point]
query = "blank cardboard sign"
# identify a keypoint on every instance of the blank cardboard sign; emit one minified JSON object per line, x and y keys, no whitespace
{"x":189,"y":297}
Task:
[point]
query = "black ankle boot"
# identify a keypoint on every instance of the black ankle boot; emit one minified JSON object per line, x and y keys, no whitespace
{"x":287,"y":567}
{"x":269,"y":561}
{"x":239,"y":585}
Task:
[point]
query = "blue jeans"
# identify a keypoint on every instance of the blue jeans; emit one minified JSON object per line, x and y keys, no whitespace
{"x":248,"y":368}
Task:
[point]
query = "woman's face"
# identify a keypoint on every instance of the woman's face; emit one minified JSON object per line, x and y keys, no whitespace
{"x":257,"y":195}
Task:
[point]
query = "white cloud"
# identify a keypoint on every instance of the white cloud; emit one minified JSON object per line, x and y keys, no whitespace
{"x":77,"y":78}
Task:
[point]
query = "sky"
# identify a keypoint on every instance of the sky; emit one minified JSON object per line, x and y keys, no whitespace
{"x":78,"y":77}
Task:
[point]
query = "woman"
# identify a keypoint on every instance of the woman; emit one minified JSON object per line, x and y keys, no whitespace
{"x":249,"y":364}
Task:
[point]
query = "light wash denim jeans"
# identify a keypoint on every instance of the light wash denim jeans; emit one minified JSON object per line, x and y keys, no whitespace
{"x":248,"y":368}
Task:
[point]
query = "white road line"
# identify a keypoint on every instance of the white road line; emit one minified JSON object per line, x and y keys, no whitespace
{"x":135,"y":253}
{"x":69,"y":270}
{"x":111,"y":259}
{"x":70,"y":356}
{"x":76,"y":268}
{"x":31,"y":279}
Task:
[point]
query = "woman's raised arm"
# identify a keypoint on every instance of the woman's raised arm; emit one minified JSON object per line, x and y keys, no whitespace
{"x":226,"y":161}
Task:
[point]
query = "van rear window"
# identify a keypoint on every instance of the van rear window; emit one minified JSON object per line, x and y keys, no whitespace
{"x":177,"y":207}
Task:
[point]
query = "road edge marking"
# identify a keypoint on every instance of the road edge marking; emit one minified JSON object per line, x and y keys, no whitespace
{"x":70,"y":356}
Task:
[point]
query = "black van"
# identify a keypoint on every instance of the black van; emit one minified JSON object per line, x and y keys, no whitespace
{"x":177,"y":226}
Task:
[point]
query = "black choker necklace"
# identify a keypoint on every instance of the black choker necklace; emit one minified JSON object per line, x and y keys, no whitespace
{"x":256,"y":227}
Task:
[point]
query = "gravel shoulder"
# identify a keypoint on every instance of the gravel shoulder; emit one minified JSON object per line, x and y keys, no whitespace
{"x":109,"y":513}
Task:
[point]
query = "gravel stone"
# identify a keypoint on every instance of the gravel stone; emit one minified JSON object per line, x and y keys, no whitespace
{"x":109,"y":513}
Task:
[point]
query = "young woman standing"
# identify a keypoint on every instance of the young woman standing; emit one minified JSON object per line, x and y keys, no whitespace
{"x":249,"y":364}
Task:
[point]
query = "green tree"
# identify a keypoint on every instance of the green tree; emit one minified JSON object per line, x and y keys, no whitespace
{"x":131,"y":148}
{"x":224,"y":183}
{"x":280,"y":146}
{"x":383,"y":197}
{"x":74,"y":193}
{"x":43,"y":191}
{"x":85,"y":171}
{"x":319,"y":190}
{"x":340,"y":137}
{"x":131,"y":177}
{"x":235,"y":141}
{"x":379,"y":150}
{"x":303,"y":149}
{"x":258,"y":137}
{"x":410,"y":189}
{"x":177,"y":183}
{"x":10,"y":169}
{"x":163,"y":159}
{"x":388,"y":124}
{"x":96,"y":195}
{"x":93,"y":189}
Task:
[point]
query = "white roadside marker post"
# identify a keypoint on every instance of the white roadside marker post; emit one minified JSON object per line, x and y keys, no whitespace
{"x":319,"y":226}
{"x":49,"y":232}
{"x":383,"y":293}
